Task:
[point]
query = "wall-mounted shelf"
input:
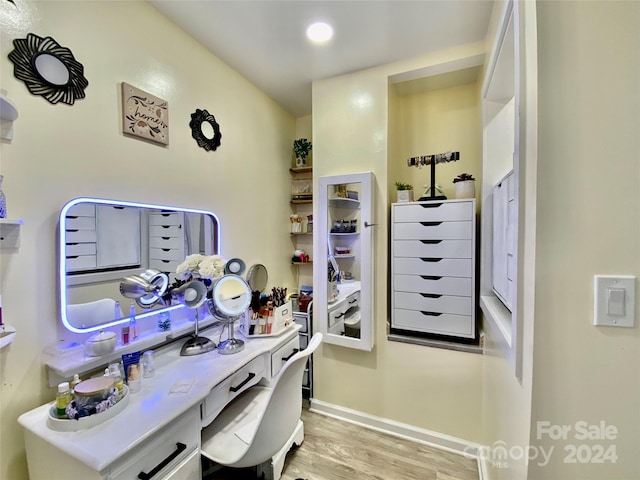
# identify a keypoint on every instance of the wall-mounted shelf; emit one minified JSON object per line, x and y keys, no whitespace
{"x":10,"y":233}
{"x":7,"y":336}
{"x":8,"y":115}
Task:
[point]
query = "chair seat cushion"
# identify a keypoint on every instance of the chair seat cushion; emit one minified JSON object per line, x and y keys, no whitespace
{"x":229,"y":436}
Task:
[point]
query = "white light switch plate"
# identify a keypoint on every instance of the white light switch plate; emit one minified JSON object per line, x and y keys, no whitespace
{"x":608,"y":311}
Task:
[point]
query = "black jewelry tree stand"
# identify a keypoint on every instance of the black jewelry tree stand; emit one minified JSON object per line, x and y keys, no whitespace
{"x":432,"y":160}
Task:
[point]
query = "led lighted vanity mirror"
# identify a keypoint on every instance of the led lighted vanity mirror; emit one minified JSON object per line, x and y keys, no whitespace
{"x":343,"y":298}
{"x":103,"y":241}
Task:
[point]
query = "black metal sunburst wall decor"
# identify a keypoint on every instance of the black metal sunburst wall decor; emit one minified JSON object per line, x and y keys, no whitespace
{"x":48,"y":69}
{"x":205,"y":130}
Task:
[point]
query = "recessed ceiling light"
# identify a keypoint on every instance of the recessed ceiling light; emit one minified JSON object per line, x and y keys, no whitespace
{"x":319,"y":32}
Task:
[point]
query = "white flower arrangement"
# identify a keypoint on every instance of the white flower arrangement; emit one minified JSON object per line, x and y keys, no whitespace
{"x":206,"y":267}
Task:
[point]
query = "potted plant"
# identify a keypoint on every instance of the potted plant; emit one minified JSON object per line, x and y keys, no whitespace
{"x":301,"y":148}
{"x":464,"y":186}
{"x":405,"y":192}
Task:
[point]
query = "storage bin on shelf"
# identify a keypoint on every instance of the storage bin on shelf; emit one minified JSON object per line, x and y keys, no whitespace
{"x":261,"y":326}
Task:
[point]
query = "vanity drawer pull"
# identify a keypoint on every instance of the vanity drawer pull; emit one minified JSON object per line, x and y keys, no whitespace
{"x":180,"y":447}
{"x":430,"y":295}
{"x":431,"y":314}
{"x":430,"y":205}
{"x":242,"y":384}
{"x":431,"y":242}
{"x":430,"y":277}
{"x":295,"y":350}
{"x":430,"y":224}
{"x":432,"y":260}
{"x":351,"y":302}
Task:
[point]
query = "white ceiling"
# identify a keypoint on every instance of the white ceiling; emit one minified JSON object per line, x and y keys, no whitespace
{"x":265,"y":40}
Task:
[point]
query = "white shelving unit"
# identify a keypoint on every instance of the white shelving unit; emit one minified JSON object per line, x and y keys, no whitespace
{"x":10,"y":233}
{"x":7,"y":336}
{"x":8,"y":115}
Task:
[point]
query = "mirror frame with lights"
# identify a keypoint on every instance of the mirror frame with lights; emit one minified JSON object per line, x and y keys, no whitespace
{"x":321,"y":269}
{"x":63,"y":278}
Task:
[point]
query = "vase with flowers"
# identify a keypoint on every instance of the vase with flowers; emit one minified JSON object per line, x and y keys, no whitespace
{"x":204,"y":268}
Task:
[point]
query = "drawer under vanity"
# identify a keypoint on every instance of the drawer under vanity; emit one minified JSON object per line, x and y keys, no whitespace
{"x":165,"y":453}
{"x":284,"y":353}
{"x":231,"y":387}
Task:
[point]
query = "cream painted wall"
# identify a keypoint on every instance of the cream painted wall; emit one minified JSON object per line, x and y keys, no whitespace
{"x":588,"y":224}
{"x":435,"y":122}
{"x":435,"y":389}
{"x":61,"y":152}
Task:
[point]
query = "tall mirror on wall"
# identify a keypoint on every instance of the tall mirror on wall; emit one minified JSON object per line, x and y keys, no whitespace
{"x":344,"y":240}
{"x":102,"y":241}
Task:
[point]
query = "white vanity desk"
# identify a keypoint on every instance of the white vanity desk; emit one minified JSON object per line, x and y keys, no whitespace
{"x":348,"y":298}
{"x":156,"y":425}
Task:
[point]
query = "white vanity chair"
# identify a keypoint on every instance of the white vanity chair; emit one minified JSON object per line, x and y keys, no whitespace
{"x":261,"y":425}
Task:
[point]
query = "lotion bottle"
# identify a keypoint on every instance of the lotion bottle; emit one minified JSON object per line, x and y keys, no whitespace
{"x":132,"y":322}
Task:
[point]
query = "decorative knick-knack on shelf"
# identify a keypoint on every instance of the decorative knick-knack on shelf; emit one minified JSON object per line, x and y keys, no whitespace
{"x":3,"y":201}
{"x":301,"y":149}
{"x":405,"y":192}
{"x":464,"y":185}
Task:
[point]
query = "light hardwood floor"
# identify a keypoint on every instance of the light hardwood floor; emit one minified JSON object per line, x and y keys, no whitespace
{"x":336,"y":450}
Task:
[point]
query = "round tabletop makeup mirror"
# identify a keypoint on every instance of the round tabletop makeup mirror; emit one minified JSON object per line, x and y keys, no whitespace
{"x":257,"y":277}
{"x":229,"y":298}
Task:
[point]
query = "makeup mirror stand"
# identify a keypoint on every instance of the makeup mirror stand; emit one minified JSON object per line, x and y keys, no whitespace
{"x":232,"y":344}
{"x":197,"y":345}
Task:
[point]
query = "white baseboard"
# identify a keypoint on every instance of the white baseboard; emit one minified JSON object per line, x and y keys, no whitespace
{"x":402,"y":430}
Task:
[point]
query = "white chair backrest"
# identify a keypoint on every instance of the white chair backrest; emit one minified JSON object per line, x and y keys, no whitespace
{"x":90,"y":314}
{"x":282,"y":413}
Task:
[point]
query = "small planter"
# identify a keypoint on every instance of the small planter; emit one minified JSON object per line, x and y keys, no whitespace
{"x":465,"y":189}
{"x":405,"y":196}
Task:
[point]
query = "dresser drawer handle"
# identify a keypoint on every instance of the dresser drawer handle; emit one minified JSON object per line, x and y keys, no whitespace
{"x":430,"y":224}
{"x":431,"y":260}
{"x":351,"y":302}
{"x":295,"y":350}
{"x":430,"y":295}
{"x":165,"y":238}
{"x":430,"y":277}
{"x":431,"y":314}
{"x":246,"y":380}
{"x":430,"y":205}
{"x":431,"y":242}
{"x":180,"y":447}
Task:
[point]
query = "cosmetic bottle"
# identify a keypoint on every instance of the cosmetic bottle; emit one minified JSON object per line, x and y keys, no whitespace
{"x":114,"y":372}
{"x":132,"y":322}
{"x":63,"y":398}
{"x":74,"y":382}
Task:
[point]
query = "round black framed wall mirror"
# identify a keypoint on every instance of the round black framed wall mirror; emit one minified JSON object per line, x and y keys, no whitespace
{"x":48,"y":69}
{"x":205,"y":130}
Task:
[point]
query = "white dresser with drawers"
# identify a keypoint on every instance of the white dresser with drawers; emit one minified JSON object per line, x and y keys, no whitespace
{"x":166,"y":240}
{"x":433,"y":274}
